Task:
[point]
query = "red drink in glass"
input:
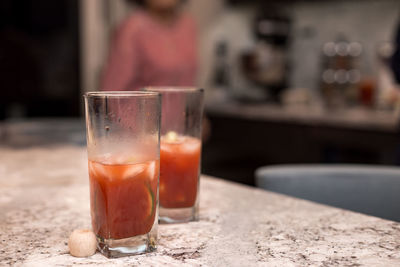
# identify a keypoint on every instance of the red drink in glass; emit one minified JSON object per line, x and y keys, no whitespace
{"x":179,"y":164}
{"x":123,"y":198}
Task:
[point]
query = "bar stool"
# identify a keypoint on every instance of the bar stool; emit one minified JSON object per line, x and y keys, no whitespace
{"x":369,"y":189}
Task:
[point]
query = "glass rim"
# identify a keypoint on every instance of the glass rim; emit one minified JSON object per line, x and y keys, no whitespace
{"x":173,"y":89}
{"x":120,"y":94}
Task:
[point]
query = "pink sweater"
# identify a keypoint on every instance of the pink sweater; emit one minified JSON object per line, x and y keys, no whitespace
{"x":145,"y":52}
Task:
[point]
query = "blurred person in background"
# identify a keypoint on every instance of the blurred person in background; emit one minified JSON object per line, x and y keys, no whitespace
{"x":155,"y":46}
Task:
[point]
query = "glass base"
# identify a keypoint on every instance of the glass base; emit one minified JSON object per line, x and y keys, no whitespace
{"x":179,"y":215}
{"x":115,"y":248}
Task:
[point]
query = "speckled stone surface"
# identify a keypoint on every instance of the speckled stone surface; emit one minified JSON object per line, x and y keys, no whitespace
{"x":44,"y":196}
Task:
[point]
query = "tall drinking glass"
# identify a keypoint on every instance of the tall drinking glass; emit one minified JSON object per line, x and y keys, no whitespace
{"x":180,"y":150}
{"x":123,"y":133}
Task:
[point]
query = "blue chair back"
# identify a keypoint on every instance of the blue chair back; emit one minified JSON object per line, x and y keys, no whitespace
{"x":373,"y":190}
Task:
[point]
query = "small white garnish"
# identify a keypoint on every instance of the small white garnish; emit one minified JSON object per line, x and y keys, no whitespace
{"x":82,"y":243}
{"x":171,"y":137}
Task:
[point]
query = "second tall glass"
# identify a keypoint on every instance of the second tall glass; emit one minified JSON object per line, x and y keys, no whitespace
{"x":180,"y":152}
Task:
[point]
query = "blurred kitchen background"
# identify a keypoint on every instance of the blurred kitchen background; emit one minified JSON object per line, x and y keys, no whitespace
{"x":286,"y":81}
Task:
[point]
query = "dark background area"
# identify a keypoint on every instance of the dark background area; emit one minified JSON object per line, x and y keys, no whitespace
{"x":239,"y":146}
{"x":39,"y":58}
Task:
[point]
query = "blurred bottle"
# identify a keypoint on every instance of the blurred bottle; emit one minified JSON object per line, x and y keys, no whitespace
{"x":266,"y":64}
{"x":341,"y":74}
{"x":220,"y":79}
{"x":367,"y":90}
{"x":221,"y":73}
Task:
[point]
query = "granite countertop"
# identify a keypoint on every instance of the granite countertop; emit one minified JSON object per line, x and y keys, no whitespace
{"x":44,"y":195}
{"x":358,"y":118}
